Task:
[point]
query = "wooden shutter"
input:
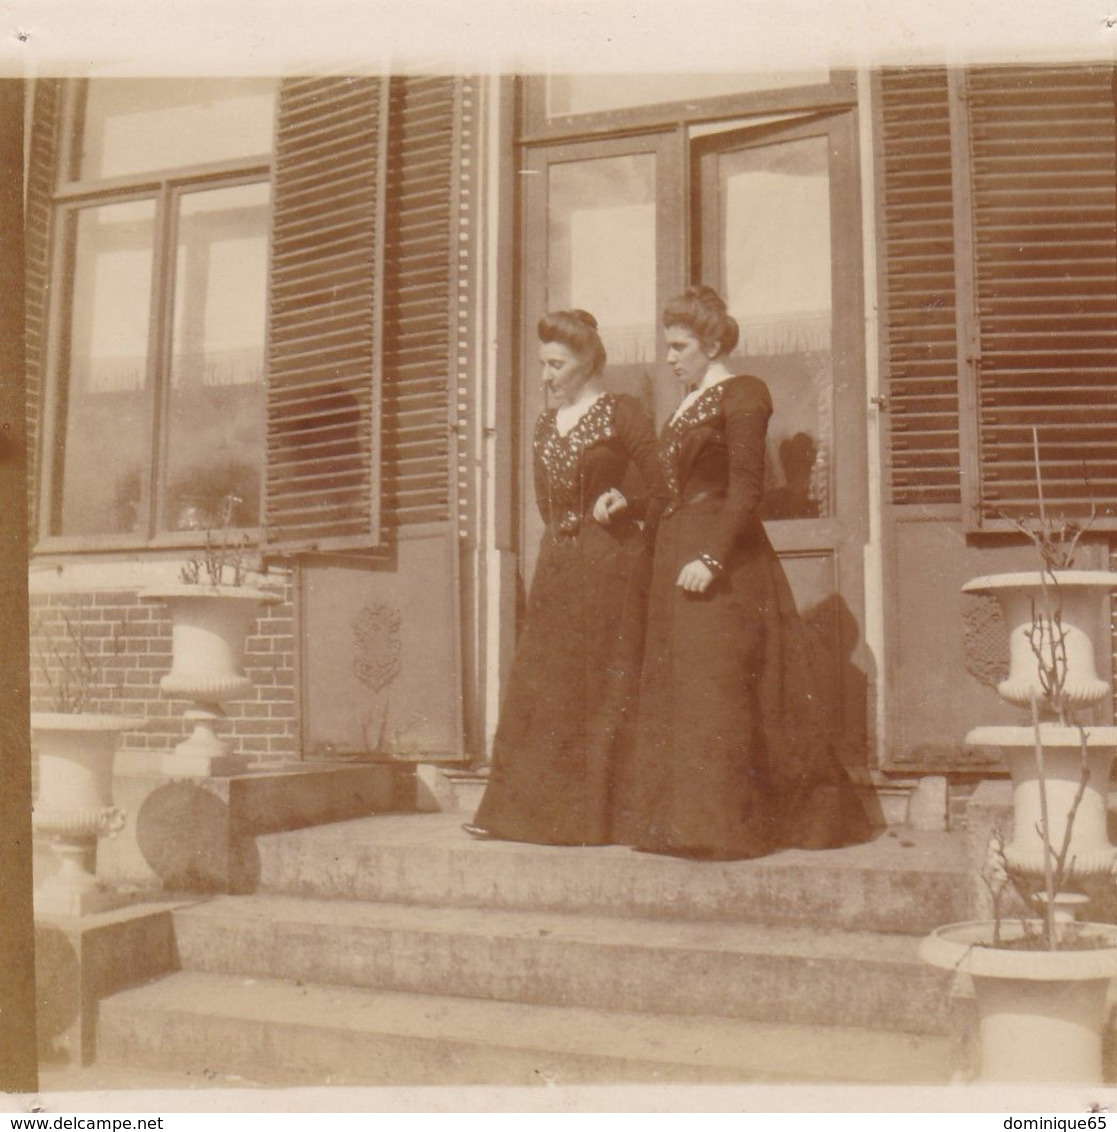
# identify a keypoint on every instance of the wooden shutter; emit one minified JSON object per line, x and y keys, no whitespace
{"x":464,"y":253}
{"x":421,"y":300}
{"x":42,"y":171}
{"x":919,"y":287}
{"x":1043,"y":162}
{"x":325,"y":315}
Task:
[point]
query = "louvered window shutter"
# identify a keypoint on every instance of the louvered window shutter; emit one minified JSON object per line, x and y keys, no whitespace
{"x":325,"y":315}
{"x":421,"y":297}
{"x":919,"y":285}
{"x":42,"y":170}
{"x":369,"y":308}
{"x":1043,"y":174}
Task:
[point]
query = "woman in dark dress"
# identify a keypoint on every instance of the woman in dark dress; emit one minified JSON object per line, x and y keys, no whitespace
{"x":568,"y":715}
{"x":733,"y":754}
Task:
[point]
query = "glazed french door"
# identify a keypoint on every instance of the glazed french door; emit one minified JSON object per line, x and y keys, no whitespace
{"x":604,"y":232}
{"x":776,"y":229}
{"x":768,"y":214}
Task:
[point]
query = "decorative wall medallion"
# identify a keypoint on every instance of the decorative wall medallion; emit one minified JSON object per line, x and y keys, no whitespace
{"x":377,"y":646}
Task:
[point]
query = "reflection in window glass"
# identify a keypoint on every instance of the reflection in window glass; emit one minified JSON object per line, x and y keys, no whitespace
{"x":140,"y":125}
{"x":215,"y":433}
{"x":774,"y":228}
{"x":108,"y":407}
{"x":585,"y":94}
{"x":601,"y":256}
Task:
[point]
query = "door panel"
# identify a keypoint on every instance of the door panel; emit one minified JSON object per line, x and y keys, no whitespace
{"x":380,"y":674}
{"x":776,"y":233}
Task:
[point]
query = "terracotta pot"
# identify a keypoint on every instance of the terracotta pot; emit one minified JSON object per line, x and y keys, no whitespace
{"x":75,"y":804}
{"x":1040,"y":1013}
{"x":209,"y":627}
{"x":1031,"y":598}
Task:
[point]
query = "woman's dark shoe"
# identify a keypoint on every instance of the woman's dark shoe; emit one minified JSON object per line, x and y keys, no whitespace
{"x":477,"y":831}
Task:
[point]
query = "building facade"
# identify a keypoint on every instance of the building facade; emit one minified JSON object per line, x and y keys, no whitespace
{"x":300,"y":314}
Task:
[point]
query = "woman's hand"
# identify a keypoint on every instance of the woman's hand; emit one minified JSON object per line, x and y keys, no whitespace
{"x":609,"y":503}
{"x":695,"y":577}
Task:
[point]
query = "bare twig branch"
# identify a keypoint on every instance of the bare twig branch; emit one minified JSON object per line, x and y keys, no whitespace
{"x":1048,"y":863}
{"x":223,"y":558}
{"x":72,"y":674}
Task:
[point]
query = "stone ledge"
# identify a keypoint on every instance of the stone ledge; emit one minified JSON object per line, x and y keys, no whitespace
{"x":78,"y":962}
{"x":199,"y":835}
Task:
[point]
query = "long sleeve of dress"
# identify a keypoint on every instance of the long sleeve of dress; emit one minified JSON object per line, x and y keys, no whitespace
{"x":635,"y":431}
{"x":542,"y":489}
{"x":746,"y":407}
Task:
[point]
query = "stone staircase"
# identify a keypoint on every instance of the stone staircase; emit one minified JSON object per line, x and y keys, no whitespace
{"x":394,"y":950}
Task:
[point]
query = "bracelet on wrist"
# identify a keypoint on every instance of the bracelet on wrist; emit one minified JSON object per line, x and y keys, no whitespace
{"x":711,"y":564}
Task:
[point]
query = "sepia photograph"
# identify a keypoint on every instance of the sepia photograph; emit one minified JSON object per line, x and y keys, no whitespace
{"x":563,"y":569}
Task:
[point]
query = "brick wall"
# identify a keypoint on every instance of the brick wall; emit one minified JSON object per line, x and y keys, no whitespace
{"x":129,"y":645}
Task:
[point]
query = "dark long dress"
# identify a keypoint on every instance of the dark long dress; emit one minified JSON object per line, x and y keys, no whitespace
{"x":568,"y":716}
{"x":733,"y":755}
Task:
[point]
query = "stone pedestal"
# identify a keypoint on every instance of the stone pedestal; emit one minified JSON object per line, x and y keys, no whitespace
{"x":927,"y":806}
{"x":78,"y":962}
{"x":203,"y":754}
{"x":72,"y":889}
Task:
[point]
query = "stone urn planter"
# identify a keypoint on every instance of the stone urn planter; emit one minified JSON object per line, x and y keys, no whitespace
{"x":1027,"y":598}
{"x":209,"y":627}
{"x":1091,"y":855}
{"x":1040,"y":986}
{"x":1040,"y":1013}
{"x":75,"y":804}
{"x":1073,"y":603}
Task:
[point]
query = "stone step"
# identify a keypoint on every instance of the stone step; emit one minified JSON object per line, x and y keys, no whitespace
{"x":290,"y":1033}
{"x":787,"y":974}
{"x":905,"y":882}
{"x":468,"y":792}
{"x":449,"y":789}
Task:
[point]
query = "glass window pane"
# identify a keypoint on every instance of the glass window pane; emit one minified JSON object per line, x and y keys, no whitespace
{"x":585,"y":94}
{"x":601,"y":257}
{"x":140,"y":125}
{"x":215,"y":432}
{"x":107,"y":432}
{"x":774,"y":205}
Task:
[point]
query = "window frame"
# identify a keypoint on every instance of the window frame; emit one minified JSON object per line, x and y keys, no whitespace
{"x":164,"y":187}
{"x":840,"y":91}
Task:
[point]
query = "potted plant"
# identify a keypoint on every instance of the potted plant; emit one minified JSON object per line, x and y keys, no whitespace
{"x":1040,"y":981}
{"x":76,"y":748}
{"x":212,"y":609}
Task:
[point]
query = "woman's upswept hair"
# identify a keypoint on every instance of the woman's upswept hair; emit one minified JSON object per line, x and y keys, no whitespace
{"x":576,"y":330}
{"x":703,"y":312}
